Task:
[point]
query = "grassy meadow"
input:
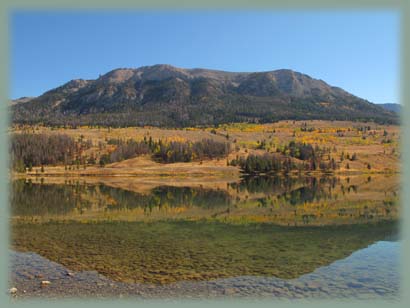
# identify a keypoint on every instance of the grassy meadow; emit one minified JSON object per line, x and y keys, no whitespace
{"x":353,"y":146}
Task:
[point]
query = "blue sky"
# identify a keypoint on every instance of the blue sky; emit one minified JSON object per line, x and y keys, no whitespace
{"x":355,"y":50}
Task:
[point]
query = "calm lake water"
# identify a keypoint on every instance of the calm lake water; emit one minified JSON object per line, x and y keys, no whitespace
{"x":287,"y":237}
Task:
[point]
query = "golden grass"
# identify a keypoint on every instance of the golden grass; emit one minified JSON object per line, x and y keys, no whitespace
{"x":344,"y":136}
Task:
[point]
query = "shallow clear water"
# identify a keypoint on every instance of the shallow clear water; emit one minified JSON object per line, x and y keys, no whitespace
{"x":369,"y":273}
{"x":260,"y":237}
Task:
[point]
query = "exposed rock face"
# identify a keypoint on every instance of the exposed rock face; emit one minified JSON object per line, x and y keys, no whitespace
{"x":164,"y":95}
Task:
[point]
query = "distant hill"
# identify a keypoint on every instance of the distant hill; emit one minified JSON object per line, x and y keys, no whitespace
{"x":23,"y":99}
{"x":163,"y":95}
{"x":392,"y":107}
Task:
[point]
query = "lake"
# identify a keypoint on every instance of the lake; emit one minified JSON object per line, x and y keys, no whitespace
{"x":283,"y":237}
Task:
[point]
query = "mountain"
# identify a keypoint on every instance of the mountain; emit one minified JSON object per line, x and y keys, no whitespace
{"x":392,"y":107}
{"x":23,"y":99}
{"x":163,"y":95}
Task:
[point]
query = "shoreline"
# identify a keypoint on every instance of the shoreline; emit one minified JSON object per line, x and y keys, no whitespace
{"x":29,"y":269}
{"x":172,"y":174}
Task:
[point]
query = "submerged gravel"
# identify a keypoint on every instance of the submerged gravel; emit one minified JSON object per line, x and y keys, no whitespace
{"x":370,"y":273}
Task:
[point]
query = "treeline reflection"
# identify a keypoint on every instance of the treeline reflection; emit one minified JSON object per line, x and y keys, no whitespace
{"x":30,"y":198}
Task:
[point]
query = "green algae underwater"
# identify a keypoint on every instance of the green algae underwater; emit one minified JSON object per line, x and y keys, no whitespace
{"x":170,"y":251}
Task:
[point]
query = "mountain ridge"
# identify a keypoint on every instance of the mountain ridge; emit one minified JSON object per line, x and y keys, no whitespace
{"x":392,"y":107}
{"x":164,"y":95}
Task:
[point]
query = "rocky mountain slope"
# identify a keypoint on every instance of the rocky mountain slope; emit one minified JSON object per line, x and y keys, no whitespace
{"x":167,"y":96}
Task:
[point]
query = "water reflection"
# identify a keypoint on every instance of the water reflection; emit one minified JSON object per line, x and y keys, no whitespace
{"x":283,"y":200}
{"x":28,"y":199}
{"x":167,"y":196}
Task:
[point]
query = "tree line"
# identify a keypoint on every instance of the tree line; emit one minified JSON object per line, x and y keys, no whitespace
{"x":270,"y":163}
{"x":28,"y":150}
{"x":310,"y":159}
{"x":167,"y":152}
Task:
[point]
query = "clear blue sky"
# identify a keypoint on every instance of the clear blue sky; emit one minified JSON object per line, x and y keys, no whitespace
{"x":355,"y":50}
